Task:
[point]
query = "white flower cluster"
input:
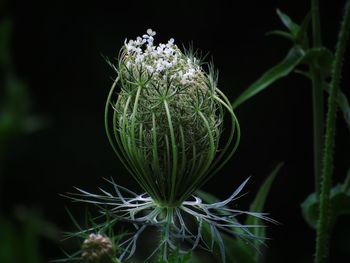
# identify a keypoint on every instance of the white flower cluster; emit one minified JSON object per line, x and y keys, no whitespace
{"x":162,"y":61}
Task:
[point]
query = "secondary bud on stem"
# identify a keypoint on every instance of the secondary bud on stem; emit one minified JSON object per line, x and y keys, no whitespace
{"x":97,"y":249}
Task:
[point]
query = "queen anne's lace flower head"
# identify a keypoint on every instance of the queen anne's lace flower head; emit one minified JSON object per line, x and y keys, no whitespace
{"x":168,"y":118}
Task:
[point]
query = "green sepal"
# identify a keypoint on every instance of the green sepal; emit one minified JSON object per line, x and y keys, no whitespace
{"x":340,"y":204}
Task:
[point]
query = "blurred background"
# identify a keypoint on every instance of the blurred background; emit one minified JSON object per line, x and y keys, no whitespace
{"x":54,"y":82}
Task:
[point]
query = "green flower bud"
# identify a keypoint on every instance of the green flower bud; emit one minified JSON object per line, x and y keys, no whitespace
{"x":168,"y":119}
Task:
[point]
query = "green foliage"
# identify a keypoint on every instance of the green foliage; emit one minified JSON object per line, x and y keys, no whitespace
{"x":258,"y":206}
{"x":240,"y":250}
{"x":297,"y":33}
{"x":235,"y":250}
{"x":288,"y":22}
{"x":321,"y":58}
{"x":100,"y":225}
{"x":177,"y":257}
{"x":339,"y":199}
{"x":20,"y":238}
{"x":282,"y":69}
{"x":298,"y":54}
{"x":15,"y":117}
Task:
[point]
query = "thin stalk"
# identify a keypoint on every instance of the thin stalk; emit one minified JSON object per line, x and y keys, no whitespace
{"x":317,"y":98}
{"x":323,"y":226}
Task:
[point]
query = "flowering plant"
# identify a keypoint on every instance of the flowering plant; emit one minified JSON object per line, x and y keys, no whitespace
{"x":165,"y":127}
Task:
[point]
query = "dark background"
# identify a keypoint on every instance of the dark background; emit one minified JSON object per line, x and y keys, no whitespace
{"x":57,"y":47}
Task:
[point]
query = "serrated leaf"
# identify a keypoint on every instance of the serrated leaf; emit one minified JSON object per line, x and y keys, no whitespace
{"x":280,"y":70}
{"x":258,"y":205}
{"x":288,"y":22}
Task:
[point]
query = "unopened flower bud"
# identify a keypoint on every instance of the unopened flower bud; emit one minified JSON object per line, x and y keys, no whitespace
{"x":97,"y":249}
{"x":168,"y":119}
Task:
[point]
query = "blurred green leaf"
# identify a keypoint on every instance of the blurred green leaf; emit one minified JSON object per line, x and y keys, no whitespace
{"x":9,"y":242}
{"x":177,"y":257}
{"x":19,"y":244}
{"x":207,"y":197}
{"x":280,"y":70}
{"x":260,"y":199}
{"x":15,"y":117}
{"x":288,"y":22}
{"x":258,"y":205}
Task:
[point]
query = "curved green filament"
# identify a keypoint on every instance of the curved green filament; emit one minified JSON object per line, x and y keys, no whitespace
{"x":235,"y":129}
{"x":182,"y":170}
{"x":197,"y":177}
{"x":155,"y":163}
{"x":174,"y":151}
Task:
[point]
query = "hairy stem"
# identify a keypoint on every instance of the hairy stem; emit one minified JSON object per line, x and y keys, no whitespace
{"x":317,"y":98}
{"x":323,"y":226}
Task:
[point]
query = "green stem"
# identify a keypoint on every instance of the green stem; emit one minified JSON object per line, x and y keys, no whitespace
{"x":317,"y":98}
{"x":164,"y":251}
{"x":323,"y":226}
